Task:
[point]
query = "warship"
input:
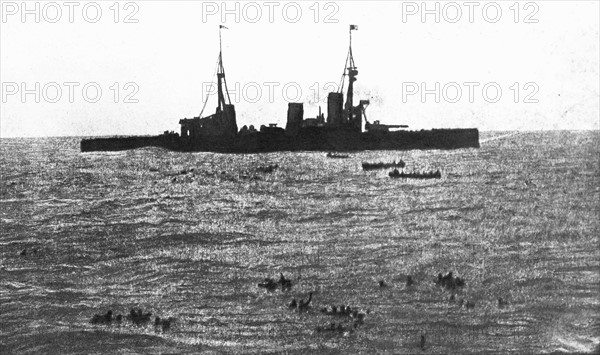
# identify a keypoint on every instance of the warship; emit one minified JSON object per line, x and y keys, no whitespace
{"x":341,"y":130}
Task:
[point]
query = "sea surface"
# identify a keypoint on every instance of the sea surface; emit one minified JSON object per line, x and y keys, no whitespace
{"x":517,"y":219}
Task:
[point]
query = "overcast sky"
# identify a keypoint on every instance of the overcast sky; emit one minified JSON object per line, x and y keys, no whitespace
{"x":158,"y":60}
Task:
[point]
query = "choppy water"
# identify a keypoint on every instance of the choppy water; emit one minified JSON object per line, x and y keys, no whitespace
{"x":518,"y":219}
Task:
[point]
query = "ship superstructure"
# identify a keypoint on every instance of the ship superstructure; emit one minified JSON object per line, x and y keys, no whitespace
{"x":340,"y":116}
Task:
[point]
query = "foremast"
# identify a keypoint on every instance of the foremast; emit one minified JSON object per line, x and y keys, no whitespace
{"x":221,"y":82}
{"x":352,"y":73}
{"x":220,"y":127}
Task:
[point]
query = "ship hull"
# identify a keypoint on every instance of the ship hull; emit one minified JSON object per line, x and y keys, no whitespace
{"x":316,"y":139}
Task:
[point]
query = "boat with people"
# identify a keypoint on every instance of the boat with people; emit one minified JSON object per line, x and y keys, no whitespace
{"x":415,"y":175}
{"x":380,"y":165}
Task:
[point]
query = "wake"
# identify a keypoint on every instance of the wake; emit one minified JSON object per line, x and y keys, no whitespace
{"x":500,"y":137}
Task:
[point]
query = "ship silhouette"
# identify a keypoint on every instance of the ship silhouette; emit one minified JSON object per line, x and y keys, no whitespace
{"x":341,"y":130}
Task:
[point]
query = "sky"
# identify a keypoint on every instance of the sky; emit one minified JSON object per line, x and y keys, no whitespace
{"x":138,"y":67}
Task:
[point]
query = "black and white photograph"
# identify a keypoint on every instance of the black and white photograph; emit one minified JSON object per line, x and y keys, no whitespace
{"x":299,"y":177}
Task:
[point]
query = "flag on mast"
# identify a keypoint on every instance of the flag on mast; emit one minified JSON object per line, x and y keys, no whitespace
{"x":221,"y":26}
{"x":353,"y":27}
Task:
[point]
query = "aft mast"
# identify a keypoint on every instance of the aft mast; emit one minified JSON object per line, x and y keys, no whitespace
{"x":352,"y":73}
{"x":352,"y":115}
{"x":221,"y":82}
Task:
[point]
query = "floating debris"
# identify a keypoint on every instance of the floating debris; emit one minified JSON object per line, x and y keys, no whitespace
{"x":449,"y":281}
{"x":302,"y":305}
{"x":137,"y":317}
{"x":267,"y":168}
{"x":102,"y":318}
{"x":271,"y":285}
{"x":164,"y":324}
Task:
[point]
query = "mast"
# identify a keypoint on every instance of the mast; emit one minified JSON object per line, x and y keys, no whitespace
{"x":221,"y":77}
{"x":222,"y":123}
{"x":352,"y":73}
